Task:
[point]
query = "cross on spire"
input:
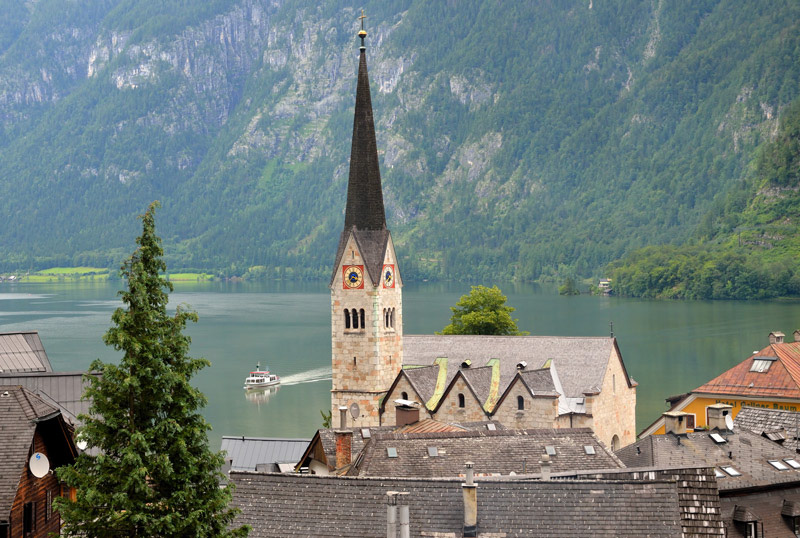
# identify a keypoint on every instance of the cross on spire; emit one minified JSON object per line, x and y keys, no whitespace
{"x":363,"y":33}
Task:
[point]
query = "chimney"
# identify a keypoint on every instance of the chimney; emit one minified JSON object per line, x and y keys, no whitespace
{"x":343,"y":416}
{"x":469,"y":490}
{"x":544,"y":463}
{"x":344,"y":440}
{"x":405,"y":525}
{"x":391,"y":514}
{"x":797,"y":335}
{"x":776,"y":337}
{"x":406,"y":412}
{"x":717,"y":414}
{"x":675,"y":422}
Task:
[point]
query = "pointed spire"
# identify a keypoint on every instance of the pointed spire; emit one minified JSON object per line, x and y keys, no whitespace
{"x":364,"y":193}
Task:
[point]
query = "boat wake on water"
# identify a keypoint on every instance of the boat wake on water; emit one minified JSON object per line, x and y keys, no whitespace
{"x":309,"y":376}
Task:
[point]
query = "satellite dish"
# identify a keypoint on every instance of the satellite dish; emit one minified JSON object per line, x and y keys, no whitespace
{"x":729,"y":422}
{"x":39,"y":465}
{"x":354,"y":410}
{"x":81,"y":443}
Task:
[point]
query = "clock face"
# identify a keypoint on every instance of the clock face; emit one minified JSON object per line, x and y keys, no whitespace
{"x":388,"y":276}
{"x":353,"y":276}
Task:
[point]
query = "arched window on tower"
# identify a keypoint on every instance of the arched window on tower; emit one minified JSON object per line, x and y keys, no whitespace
{"x":520,"y":403}
{"x":391,"y":319}
{"x":355,"y":318}
{"x":460,"y":400}
{"x":404,"y":395}
{"x":346,"y":318}
{"x":363,"y":325}
{"x":386,"y":317}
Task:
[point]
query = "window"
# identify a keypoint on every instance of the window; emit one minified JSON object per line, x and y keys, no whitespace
{"x":386,"y":318}
{"x":792,"y":463}
{"x":719,"y":474}
{"x":346,"y":319}
{"x":731,"y":471}
{"x":762,"y":364}
{"x":589,"y":449}
{"x":779,"y":465}
{"x":550,"y":450}
{"x":363,"y":325}
{"x":520,"y":403}
{"x":48,"y":510}
{"x":29,"y":517}
{"x":615,"y":443}
{"x":391,"y":452}
{"x":433,"y":451}
{"x":751,"y":529}
{"x":614,"y":383}
{"x":391,"y":318}
{"x":717,"y":438}
{"x":690,"y":422}
{"x":365,"y":433}
{"x":460,"y":400}
{"x":355,"y":319}
{"x":404,"y":395}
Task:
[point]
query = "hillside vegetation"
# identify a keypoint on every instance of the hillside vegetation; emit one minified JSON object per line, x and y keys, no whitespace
{"x":747,"y":247}
{"x":518,"y":140}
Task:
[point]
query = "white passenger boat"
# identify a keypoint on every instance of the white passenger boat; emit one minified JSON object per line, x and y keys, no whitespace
{"x":260,"y":378}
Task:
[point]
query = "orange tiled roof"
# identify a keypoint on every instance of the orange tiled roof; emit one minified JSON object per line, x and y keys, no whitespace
{"x":782,"y":380}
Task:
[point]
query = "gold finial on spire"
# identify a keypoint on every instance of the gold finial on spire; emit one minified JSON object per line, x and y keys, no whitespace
{"x":363,"y":33}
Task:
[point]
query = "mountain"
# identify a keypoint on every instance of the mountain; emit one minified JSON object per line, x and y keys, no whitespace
{"x":518,"y":139}
{"x":747,"y":245}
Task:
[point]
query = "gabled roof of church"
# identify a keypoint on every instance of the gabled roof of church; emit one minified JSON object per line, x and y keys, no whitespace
{"x":364,"y":215}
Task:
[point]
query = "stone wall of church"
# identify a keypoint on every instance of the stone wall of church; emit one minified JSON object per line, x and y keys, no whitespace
{"x":450,"y":411}
{"x":366,"y":359}
{"x":614,"y":409}
{"x":538,"y":412}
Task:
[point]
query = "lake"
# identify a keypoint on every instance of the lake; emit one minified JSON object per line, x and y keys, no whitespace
{"x":669,"y":347}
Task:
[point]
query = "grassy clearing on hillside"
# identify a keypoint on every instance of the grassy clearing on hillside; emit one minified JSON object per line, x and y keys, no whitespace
{"x":184,"y":277}
{"x":73,"y":271}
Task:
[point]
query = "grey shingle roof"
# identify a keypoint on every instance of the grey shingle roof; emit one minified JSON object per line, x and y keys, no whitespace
{"x":20,"y":410}
{"x":492,"y":452}
{"x":745,"y":451}
{"x":59,"y":388}
{"x":581,"y":361}
{"x":758,"y":420}
{"x":247,"y":452}
{"x":661,"y":506}
{"x":23,"y":352}
{"x":766,"y":506}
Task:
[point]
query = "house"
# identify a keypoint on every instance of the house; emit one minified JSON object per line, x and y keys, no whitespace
{"x":758,"y":479}
{"x":769,"y":378}
{"x":23,"y":352}
{"x":260,"y":453}
{"x":34,"y":440}
{"x":61,"y":389}
{"x":774,"y":424}
{"x":520,"y":381}
{"x":492,"y":452}
{"x":674,"y":503}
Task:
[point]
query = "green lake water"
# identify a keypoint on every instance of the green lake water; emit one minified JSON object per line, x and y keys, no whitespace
{"x":669,"y":347}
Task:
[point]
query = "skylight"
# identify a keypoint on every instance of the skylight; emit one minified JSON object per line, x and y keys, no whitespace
{"x":551,"y":450}
{"x":731,"y":471}
{"x":491,"y":427}
{"x":779,"y":465}
{"x":589,"y":449}
{"x":365,"y":433}
{"x":433,"y":451}
{"x":792,"y":463}
{"x":762,"y":364}
{"x":391,"y":452}
{"x":718,"y":438}
{"x":719,"y":474}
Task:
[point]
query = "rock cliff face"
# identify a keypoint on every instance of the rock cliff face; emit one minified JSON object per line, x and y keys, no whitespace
{"x":528,"y":139}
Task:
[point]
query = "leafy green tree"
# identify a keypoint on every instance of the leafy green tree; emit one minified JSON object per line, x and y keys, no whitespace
{"x":569,"y":287}
{"x":153,"y":474}
{"x":483,"y":311}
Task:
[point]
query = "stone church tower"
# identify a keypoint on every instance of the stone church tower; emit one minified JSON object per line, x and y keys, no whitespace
{"x":366,"y":300}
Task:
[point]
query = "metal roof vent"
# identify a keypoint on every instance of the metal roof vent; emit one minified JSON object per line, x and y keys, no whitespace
{"x":521,"y":365}
{"x":466,"y":364}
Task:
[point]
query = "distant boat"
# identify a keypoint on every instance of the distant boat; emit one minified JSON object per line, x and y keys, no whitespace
{"x":260,"y":378}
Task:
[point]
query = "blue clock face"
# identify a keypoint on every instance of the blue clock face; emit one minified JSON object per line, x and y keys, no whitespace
{"x":353,"y":277}
{"x":388,"y":276}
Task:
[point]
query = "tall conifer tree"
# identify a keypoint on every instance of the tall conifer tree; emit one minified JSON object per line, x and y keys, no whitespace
{"x":153,"y":474}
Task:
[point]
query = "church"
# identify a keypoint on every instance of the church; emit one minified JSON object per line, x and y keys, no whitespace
{"x":520,"y":381}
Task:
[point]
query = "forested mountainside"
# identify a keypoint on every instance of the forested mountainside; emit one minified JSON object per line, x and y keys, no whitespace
{"x":518,"y":139}
{"x":746,"y":247}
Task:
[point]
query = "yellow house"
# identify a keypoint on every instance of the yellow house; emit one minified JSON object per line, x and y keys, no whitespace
{"x":769,"y":379}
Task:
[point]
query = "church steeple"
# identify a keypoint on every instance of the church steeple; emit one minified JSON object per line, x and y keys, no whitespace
{"x":364,"y":193}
